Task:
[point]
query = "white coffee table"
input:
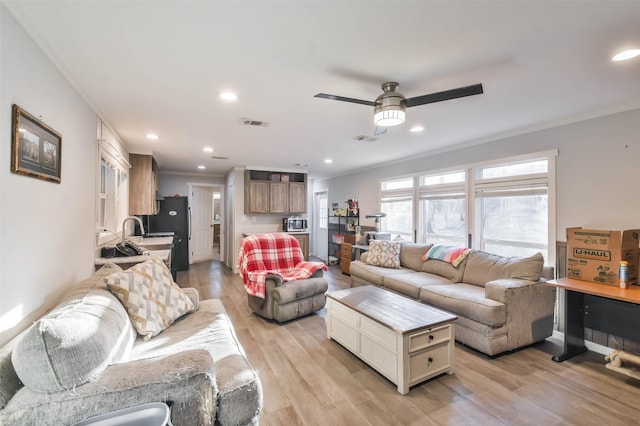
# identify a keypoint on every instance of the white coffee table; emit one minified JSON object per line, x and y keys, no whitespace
{"x":406,"y":341}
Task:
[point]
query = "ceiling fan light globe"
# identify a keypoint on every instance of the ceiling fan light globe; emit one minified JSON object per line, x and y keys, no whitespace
{"x":389,"y":117}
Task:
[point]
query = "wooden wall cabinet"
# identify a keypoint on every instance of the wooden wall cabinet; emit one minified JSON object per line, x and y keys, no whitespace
{"x":267,"y":192}
{"x":256,"y":197}
{"x":143,"y":185}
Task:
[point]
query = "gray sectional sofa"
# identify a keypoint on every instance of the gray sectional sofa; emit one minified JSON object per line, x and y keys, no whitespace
{"x":196,"y":365}
{"x":502,"y":303}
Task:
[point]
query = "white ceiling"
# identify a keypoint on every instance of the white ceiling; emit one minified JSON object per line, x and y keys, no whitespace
{"x":160,"y":66}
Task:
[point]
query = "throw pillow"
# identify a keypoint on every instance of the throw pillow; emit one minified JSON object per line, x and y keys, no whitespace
{"x":384,"y":253}
{"x":150,"y":296}
{"x":449,"y":254}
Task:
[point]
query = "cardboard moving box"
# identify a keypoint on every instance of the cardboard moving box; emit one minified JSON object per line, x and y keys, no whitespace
{"x":595,"y":256}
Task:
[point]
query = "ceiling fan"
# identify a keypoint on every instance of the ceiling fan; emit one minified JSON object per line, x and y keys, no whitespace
{"x":389,"y":107}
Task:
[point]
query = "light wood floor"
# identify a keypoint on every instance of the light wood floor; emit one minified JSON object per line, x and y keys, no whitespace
{"x":309,"y":380}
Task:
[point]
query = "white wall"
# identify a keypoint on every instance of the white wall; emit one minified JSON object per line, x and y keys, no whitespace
{"x":46,"y":229}
{"x":170,"y":184}
{"x":596,"y":171}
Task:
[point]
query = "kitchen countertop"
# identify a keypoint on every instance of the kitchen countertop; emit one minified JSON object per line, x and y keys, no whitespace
{"x":163,"y":255}
{"x":149,"y":242}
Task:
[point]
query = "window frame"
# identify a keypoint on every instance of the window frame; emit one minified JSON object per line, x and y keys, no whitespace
{"x":113,"y":187}
{"x":474,"y":184}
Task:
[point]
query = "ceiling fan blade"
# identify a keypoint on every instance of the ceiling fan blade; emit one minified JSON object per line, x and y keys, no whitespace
{"x":342,"y":98}
{"x":460,"y":92}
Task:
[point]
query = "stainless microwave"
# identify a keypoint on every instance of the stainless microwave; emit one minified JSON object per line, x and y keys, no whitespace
{"x":294,"y":224}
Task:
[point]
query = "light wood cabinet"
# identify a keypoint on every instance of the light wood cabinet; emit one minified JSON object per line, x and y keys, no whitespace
{"x":143,"y":185}
{"x":303,"y":240}
{"x":278,"y":197}
{"x":256,"y":197}
{"x":274,"y":192}
{"x":297,"y":197}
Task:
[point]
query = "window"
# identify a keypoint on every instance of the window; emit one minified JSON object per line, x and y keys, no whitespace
{"x":112,"y":188}
{"x":512,"y":206}
{"x":503,"y":207}
{"x":397,"y":204}
{"x":323,"y":210}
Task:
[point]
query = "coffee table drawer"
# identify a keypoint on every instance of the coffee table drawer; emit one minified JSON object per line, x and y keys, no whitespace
{"x":429,"y":338}
{"x":429,"y":363}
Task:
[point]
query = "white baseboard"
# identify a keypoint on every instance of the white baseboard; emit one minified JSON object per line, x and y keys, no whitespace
{"x":594,"y":347}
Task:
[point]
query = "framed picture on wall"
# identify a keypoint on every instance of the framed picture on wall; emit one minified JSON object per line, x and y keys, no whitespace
{"x":36,"y":149}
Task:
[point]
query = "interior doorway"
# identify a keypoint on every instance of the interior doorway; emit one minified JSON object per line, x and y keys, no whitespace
{"x":207,"y":230}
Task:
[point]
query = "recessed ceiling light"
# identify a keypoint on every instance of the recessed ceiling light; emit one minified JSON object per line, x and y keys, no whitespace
{"x":625,"y":55}
{"x":201,"y":167}
{"x":328,"y":161}
{"x":207,"y":149}
{"x":228,"y":96}
{"x":152,"y":136}
{"x":416,"y":129}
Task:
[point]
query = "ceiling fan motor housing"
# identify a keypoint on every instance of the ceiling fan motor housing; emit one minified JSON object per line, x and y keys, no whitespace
{"x":389,"y":109}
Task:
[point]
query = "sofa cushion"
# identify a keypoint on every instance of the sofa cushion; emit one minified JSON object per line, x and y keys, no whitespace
{"x":374,"y":274}
{"x":483,"y":267}
{"x":75,"y":342}
{"x":410,"y":284}
{"x":445,"y":269}
{"x":150,"y":296}
{"x":238,"y":385}
{"x":465,"y":300}
{"x":384,"y":253}
{"x":411,"y":255}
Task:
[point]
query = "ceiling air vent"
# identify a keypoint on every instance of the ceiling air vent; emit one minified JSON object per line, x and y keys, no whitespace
{"x":257,"y":123}
{"x":219,"y":157}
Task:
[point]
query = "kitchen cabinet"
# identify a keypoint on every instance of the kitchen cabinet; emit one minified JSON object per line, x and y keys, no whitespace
{"x":303,"y":240}
{"x":143,"y":185}
{"x":256,"y":197}
{"x":278,"y":197}
{"x":269,"y":192}
{"x":297,"y":197}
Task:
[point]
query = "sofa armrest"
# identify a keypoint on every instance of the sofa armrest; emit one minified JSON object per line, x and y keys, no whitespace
{"x":498,"y":289}
{"x":529,"y":307}
{"x":275,"y":279}
{"x":187,"y":379}
{"x":278,"y":281}
{"x":194,"y":295}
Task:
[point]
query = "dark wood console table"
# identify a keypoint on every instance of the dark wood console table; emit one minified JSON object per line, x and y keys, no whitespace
{"x":602,"y":307}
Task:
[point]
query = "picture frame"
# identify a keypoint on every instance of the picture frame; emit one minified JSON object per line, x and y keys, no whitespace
{"x":36,"y":149}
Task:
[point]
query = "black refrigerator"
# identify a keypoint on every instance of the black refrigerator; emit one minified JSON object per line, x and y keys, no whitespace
{"x":174,"y":216}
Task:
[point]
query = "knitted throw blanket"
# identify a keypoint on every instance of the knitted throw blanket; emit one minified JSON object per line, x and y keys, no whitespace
{"x":277,"y":254}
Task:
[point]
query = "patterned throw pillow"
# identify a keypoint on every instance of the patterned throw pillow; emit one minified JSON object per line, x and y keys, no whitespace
{"x":151,"y":298}
{"x":384,"y":253}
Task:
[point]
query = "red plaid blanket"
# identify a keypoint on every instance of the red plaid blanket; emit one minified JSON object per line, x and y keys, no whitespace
{"x":277,"y":254}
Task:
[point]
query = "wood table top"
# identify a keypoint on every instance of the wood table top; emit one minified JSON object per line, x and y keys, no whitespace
{"x":399,"y":313}
{"x":630,"y":294}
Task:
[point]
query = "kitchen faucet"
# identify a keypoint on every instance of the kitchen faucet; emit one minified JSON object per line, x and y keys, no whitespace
{"x":128,"y":218}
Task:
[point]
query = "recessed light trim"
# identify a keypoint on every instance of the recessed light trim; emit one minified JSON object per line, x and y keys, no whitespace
{"x":416,"y":129}
{"x":626,"y":55}
{"x":152,"y":136}
{"x":207,"y":149}
{"x":228,"y":96}
{"x":201,"y":167}
{"x":328,"y":161}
